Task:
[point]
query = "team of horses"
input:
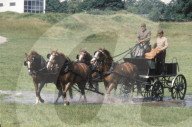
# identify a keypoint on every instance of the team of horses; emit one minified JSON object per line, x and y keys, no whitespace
{"x":64,"y":73}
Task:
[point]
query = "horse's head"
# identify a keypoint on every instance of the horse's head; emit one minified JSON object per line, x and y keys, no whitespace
{"x":33,"y":61}
{"x":84,"y":56}
{"x":56,"y":60}
{"x":100,"y":58}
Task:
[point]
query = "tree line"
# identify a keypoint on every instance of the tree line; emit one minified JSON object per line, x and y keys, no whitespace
{"x":156,"y":10}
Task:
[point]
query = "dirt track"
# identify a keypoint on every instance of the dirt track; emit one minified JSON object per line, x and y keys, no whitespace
{"x":2,"y":40}
{"x":28,"y":97}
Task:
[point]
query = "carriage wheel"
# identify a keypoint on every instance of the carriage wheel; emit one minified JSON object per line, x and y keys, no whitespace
{"x":146,"y":91}
{"x":157,"y":91}
{"x":179,"y":87}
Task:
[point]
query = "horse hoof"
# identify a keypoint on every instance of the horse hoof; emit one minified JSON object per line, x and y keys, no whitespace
{"x":67,"y":103}
{"x":42,"y":101}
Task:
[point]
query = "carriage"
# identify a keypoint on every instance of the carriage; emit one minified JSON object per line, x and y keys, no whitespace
{"x":153,"y":85}
{"x":149,"y":83}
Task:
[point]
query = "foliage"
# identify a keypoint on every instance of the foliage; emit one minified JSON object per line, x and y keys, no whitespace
{"x":56,"y":6}
{"x":179,"y":10}
{"x":101,"y":4}
{"x":176,"y":10}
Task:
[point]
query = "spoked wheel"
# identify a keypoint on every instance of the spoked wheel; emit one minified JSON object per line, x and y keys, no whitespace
{"x":157,"y":91}
{"x":146,"y":91}
{"x":179,"y":87}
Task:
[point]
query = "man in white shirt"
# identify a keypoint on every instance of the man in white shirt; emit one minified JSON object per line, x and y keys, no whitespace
{"x":161,"y":45}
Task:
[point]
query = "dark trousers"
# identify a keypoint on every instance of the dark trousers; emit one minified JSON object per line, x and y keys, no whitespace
{"x":160,"y":62}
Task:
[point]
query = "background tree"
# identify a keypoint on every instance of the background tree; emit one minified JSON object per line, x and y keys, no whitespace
{"x":52,"y":6}
{"x":102,"y":4}
{"x":179,"y":10}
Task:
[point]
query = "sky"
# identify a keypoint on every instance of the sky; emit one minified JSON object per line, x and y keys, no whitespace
{"x":166,"y":1}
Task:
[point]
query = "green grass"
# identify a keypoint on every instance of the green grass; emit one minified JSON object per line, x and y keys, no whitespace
{"x":93,"y":115}
{"x":115,"y":32}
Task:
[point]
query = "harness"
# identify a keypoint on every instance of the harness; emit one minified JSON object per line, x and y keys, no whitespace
{"x":111,"y":70}
{"x":67,"y":69}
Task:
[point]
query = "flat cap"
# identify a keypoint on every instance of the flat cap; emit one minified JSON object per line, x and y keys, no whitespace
{"x":160,"y":32}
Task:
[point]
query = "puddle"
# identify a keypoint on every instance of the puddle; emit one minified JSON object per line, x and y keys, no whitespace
{"x":168,"y":102}
{"x":28,"y":97}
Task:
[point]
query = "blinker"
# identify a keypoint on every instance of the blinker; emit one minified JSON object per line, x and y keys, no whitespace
{"x":77,"y":57}
{"x":25,"y":63}
{"x":48,"y":56}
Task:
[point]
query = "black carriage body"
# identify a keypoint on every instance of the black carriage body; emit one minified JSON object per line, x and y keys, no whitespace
{"x":154,"y":84}
{"x":148,"y":67}
{"x":145,"y":66}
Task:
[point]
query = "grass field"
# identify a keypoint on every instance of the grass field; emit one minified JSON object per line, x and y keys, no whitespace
{"x":116,"y":33}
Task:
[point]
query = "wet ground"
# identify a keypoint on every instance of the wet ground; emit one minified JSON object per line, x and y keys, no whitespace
{"x":28,"y":97}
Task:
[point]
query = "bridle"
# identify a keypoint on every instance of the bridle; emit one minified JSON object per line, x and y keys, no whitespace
{"x":49,"y":60}
{"x":32,"y":70}
{"x":53,"y":64}
{"x":29,"y":60}
{"x":98,"y":62}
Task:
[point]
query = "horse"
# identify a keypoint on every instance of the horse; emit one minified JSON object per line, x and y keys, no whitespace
{"x":36,"y":66}
{"x":69,"y":73}
{"x":85,"y":57}
{"x":114,"y":73}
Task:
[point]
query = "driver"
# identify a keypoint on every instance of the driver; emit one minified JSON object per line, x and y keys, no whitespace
{"x":143,"y":41}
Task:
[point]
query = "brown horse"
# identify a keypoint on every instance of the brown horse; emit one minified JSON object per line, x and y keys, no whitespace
{"x":70,"y":73}
{"x":36,"y":65}
{"x":113,"y":73}
{"x":85,"y":57}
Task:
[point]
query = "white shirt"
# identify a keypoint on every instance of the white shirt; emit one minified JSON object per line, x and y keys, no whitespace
{"x":162,"y":43}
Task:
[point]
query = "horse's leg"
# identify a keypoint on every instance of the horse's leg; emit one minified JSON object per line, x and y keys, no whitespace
{"x":36,"y":91}
{"x":64,"y":93}
{"x":82,"y":88}
{"x":109,"y":90}
{"x":59,"y":87}
{"x":131,"y":91}
{"x":71,"y":92}
{"x":96,"y":86}
{"x":59,"y":95}
{"x":138,"y":88}
{"x":115,"y":89}
{"x":106,"y":85}
{"x":39,"y":91}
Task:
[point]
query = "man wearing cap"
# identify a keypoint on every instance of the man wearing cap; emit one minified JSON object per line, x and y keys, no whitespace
{"x":161,"y":45}
{"x":143,"y":41}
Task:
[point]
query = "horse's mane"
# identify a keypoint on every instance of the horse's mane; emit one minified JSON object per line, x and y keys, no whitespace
{"x":35,"y":54}
{"x":107,"y":53}
{"x":60,"y":53}
{"x":87,"y":52}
